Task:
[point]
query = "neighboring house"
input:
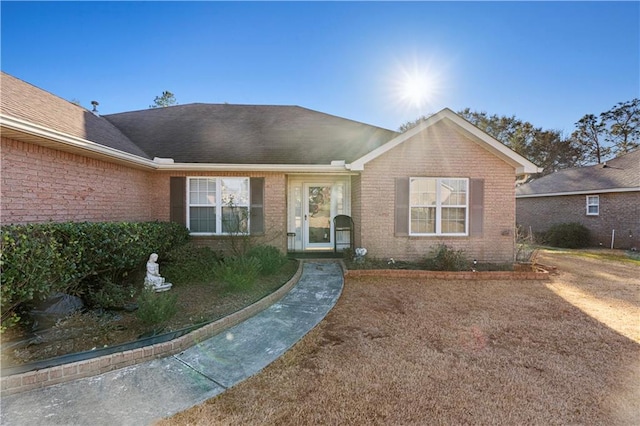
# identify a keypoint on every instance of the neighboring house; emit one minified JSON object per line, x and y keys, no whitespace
{"x":281,"y":172}
{"x":605,"y":198}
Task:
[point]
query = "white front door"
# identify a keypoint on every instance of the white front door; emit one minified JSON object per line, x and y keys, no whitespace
{"x":319,"y":211}
{"x":313,"y":202}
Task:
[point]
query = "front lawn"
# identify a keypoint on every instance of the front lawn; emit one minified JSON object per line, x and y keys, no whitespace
{"x":406,"y":351}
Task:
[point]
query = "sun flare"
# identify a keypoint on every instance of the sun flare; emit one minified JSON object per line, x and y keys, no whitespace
{"x":418,"y":83}
{"x":417,"y":89}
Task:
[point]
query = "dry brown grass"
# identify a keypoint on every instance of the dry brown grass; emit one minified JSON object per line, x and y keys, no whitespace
{"x":456,"y":352}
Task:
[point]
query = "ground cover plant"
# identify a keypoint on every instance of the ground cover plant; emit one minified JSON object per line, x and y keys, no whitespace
{"x":406,"y":351}
{"x":440,"y":258}
{"x":198,"y":296}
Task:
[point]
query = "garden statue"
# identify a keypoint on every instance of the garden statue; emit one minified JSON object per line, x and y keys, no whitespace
{"x":153,"y":280}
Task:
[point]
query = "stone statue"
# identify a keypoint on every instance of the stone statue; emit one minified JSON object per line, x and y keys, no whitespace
{"x":153,"y":280}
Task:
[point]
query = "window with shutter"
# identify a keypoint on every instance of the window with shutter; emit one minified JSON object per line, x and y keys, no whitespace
{"x":438,"y":206}
{"x":218,"y":205}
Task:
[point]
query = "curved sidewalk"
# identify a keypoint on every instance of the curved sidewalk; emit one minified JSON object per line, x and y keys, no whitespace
{"x":142,"y":393}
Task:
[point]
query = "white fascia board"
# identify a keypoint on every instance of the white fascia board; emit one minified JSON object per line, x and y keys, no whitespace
{"x":521,"y":164}
{"x":72,"y":141}
{"x":285,"y":168}
{"x":585,"y":192}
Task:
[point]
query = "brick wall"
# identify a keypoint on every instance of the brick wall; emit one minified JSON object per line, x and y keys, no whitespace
{"x":440,"y":151}
{"x":619,"y":211}
{"x":39,"y":184}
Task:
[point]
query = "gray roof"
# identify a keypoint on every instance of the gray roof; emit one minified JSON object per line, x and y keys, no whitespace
{"x":620,"y":173}
{"x":248,"y":134}
{"x":26,"y":102}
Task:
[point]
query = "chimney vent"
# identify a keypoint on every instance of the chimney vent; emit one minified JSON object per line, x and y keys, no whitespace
{"x":95,"y":107}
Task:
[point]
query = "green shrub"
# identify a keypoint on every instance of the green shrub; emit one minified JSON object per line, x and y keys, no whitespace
{"x":39,"y":259}
{"x":271,"y":259}
{"x":568,"y":235}
{"x":190,"y":264}
{"x":105,"y":293}
{"x":238,"y":272}
{"x":156,"y":308}
{"x":29,"y":260}
{"x":444,"y":258}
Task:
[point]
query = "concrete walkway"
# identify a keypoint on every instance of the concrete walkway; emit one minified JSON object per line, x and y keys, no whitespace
{"x":142,"y":393}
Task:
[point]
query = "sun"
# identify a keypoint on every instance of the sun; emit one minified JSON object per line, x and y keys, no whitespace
{"x":418,"y":84}
{"x":417,"y":89}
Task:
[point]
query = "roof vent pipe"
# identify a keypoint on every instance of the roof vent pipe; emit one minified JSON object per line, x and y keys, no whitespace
{"x":95,"y":108}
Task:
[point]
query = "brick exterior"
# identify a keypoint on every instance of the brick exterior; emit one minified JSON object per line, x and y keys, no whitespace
{"x":439,"y":151}
{"x":619,"y":211}
{"x":41,"y":185}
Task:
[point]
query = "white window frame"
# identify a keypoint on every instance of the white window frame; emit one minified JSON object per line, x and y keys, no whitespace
{"x":439,"y":206}
{"x":220,"y":202}
{"x":596,"y":204}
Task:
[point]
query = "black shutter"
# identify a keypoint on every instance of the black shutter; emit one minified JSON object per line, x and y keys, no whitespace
{"x":178,"y":200}
{"x":402,"y":207}
{"x":257,"y":206}
{"x":476,"y":203}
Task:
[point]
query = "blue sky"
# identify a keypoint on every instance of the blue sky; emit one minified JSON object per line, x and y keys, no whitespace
{"x":545,"y":62}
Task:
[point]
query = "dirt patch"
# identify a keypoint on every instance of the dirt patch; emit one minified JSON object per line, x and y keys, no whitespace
{"x":406,"y":351}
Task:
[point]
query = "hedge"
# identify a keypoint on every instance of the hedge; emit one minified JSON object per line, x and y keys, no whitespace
{"x":39,"y":259}
{"x":568,"y":235}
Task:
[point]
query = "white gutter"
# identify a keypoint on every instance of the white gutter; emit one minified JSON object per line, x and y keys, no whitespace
{"x":286,"y":168}
{"x":72,"y":141}
{"x":585,"y":192}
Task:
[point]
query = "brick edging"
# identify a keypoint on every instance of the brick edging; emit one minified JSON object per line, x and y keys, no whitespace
{"x":445,"y":275}
{"x":92,"y":367}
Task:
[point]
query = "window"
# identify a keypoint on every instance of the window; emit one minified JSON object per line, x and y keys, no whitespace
{"x":593,"y":205}
{"x":438,"y":206}
{"x":218,"y":205}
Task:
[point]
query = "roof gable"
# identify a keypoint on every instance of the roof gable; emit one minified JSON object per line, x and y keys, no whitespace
{"x":617,"y":175}
{"x":520,"y":164}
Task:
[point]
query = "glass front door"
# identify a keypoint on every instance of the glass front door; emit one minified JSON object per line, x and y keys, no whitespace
{"x":318,"y":215}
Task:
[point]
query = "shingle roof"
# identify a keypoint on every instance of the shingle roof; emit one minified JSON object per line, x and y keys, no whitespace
{"x":24,"y":101}
{"x":248,"y":134}
{"x":620,"y":173}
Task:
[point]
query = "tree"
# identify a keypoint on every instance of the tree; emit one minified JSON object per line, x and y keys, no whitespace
{"x":411,"y":124}
{"x":512,"y":132}
{"x":623,"y":122}
{"x":589,"y":133}
{"x":551,"y":151}
{"x":167,"y":99}
{"x":616,"y":131}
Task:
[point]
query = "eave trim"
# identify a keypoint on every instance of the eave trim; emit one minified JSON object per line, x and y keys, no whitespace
{"x":23,"y":126}
{"x":585,"y":192}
